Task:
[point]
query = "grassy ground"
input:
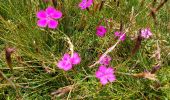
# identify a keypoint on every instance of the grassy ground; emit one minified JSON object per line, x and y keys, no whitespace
{"x":38,"y":50}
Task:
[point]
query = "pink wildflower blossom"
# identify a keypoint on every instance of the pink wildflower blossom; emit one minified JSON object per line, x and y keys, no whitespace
{"x":120,"y":35}
{"x":67,"y":62}
{"x":106,"y":60}
{"x":146,"y":33}
{"x":84,"y":4}
{"x":105,"y":74}
{"x":101,"y":31}
{"x":47,"y":17}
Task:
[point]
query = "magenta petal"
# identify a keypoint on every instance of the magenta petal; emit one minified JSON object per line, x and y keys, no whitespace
{"x":61,"y":64}
{"x":66,"y":57}
{"x":82,"y":4}
{"x":109,"y":58}
{"x":89,"y":3}
{"x":42,"y":23}
{"x":112,"y":78}
{"x":99,"y":74}
{"x":123,"y":37}
{"x":56,"y":15}
{"x":102,"y":68}
{"x":85,"y":4}
{"x":105,"y":60}
{"x":67,"y":66}
{"x":103,"y":81}
{"x":100,"y":34}
{"x":41,"y":14}
{"x":76,"y":58}
{"x":50,"y":10}
{"x":149,"y":32}
{"x":52,"y":23}
{"x":109,"y":70}
{"x":117,"y":33}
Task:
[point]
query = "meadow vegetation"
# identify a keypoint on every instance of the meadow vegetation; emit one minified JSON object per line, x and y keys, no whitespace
{"x":29,"y":54}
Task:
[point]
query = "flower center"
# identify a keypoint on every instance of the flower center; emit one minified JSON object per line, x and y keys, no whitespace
{"x":48,"y":17}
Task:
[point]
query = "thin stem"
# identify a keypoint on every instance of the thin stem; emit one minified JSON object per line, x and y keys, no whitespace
{"x":124,"y":73}
{"x":71,"y":46}
{"x":11,"y":83}
{"x":108,"y":51}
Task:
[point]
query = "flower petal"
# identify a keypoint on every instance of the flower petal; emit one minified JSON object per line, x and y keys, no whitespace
{"x":103,"y":81}
{"x":102,"y":68}
{"x":117,"y":33}
{"x":122,"y":37}
{"x":61,"y":64}
{"x":41,"y":14}
{"x":50,"y":10}
{"x":64,"y":65}
{"x":89,"y":3}
{"x":111,"y":78}
{"x":100,"y":34}
{"x":82,"y":4}
{"x":42,"y":23}
{"x":66,"y":57}
{"x":56,"y":14}
{"x":52,"y":23}
{"x":149,"y":32}
{"x":67,"y":66}
{"x":99,"y":74}
{"x":109,"y":70}
{"x":105,"y":60}
{"x":76,"y":58}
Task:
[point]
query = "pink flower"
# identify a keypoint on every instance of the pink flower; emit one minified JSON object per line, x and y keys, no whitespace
{"x":84,"y":4}
{"x":67,"y":62}
{"x":47,"y":17}
{"x":106,"y":60}
{"x":146,"y":33}
{"x":105,"y":74}
{"x":101,"y":31}
{"x":75,"y":59}
{"x":120,"y":35}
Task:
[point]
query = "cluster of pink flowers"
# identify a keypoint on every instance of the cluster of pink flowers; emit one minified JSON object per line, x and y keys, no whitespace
{"x":105,"y":74}
{"x":101,"y":31}
{"x":67,"y":62}
{"x":47,"y":17}
{"x":84,"y":4}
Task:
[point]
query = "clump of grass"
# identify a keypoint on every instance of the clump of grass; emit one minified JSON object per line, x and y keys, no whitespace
{"x":37,"y":50}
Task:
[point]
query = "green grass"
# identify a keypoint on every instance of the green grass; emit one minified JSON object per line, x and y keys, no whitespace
{"x":40,"y":48}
